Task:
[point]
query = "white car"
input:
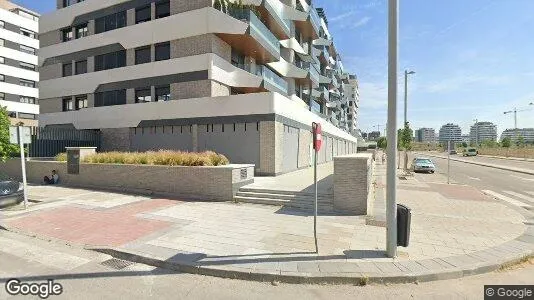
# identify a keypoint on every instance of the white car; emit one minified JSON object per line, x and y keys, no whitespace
{"x":421,"y":164}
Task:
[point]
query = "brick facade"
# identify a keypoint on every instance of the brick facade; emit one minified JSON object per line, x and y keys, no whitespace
{"x":353,"y":183}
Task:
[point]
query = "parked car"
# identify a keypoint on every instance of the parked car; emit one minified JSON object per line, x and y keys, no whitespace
{"x":453,"y":152}
{"x":421,"y":164}
{"x":470,"y":152}
{"x":11,"y":191}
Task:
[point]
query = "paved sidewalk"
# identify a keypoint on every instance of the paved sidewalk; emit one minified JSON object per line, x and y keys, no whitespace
{"x":456,"y":231}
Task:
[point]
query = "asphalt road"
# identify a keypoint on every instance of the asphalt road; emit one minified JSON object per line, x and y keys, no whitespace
{"x":522,"y":164}
{"x":82,"y":276}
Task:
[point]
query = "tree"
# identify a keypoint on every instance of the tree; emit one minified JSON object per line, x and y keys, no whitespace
{"x":405,"y":142}
{"x":506,"y":142}
{"x":520,"y":141}
{"x":489,"y":144}
{"x":6,"y":149}
{"x":382,"y":143}
{"x":464,"y":144}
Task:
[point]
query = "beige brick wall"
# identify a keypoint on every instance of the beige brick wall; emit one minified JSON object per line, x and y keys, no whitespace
{"x":191,"y":89}
{"x":352,"y":183}
{"x":219,"y":89}
{"x":267,"y":148}
{"x":115,"y":139}
{"x":305,"y":140}
{"x":201,"y":44}
{"x":178,"y":6}
{"x":203,"y":183}
{"x":279,"y":147}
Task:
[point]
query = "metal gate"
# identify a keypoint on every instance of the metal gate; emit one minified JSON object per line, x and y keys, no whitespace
{"x":48,"y":142}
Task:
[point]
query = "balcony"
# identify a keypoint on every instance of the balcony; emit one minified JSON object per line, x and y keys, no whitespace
{"x":271,"y":80}
{"x":312,"y":25}
{"x":279,"y":24}
{"x":314,"y":76}
{"x":257,"y":33}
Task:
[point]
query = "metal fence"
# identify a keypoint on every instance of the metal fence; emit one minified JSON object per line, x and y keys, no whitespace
{"x":48,"y":142}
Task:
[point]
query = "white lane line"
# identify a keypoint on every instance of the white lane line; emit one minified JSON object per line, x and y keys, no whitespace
{"x":521,"y":196}
{"x":474,"y":178}
{"x":523,"y":178}
{"x":506,"y":198}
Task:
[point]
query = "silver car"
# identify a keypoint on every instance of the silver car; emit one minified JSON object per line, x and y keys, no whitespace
{"x":421,"y":164}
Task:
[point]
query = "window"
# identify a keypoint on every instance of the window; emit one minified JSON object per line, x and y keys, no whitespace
{"x":26,"y":116}
{"x":2,"y":42}
{"x":110,"y":60}
{"x":27,"y":66}
{"x":110,"y":22}
{"x":110,"y":98}
{"x":2,"y":60}
{"x":27,"y":33}
{"x":67,"y":69}
{"x":163,"y":93}
{"x":2,"y":78}
{"x":142,"y":14}
{"x":27,"y":83}
{"x":2,"y":24}
{"x":27,"y":15}
{"x":80,"y":67}
{"x":67,"y":34}
{"x":81,"y":31}
{"x":2,"y":96}
{"x":163,"y":51}
{"x":29,"y":100}
{"x":142,"y":55}
{"x":163,"y":9}
{"x":27,"y":49}
{"x":68,"y":104}
{"x":68,"y":2}
{"x":143,"y":95}
{"x":81,"y":102}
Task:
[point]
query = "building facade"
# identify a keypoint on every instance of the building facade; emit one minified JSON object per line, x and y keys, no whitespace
{"x":19,"y":78}
{"x":512,"y":134}
{"x":246,"y":81}
{"x":483,"y":131}
{"x":450,"y":132}
{"x":425,"y":135}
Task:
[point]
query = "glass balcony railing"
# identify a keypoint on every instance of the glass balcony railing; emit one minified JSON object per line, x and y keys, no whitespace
{"x":272,"y":78}
{"x":257,"y":30}
{"x":275,"y":9}
{"x":315,"y":20}
{"x":314,"y":75}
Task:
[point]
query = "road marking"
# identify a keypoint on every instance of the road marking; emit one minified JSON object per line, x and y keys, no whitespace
{"x":518,"y":195}
{"x":523,"y":178}
{"x":474,"y":178}
{"x":506,"y":198}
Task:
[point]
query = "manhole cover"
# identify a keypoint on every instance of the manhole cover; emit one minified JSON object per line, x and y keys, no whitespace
{"x":117,"y":264}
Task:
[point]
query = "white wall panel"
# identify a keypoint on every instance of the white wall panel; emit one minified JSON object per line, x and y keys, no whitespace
{"x":19,"y":90}
{"x":19,"y":38}
{"x":20,"y":21}
{"x":18,"y":55}
{"x":20,"y":107}
{"x":19,"y":73}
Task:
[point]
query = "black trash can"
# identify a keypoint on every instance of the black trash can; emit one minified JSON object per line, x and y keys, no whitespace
{"x":404,"y":217}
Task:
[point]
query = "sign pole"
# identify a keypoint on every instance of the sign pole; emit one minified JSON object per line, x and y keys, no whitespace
{"x":448,"y":162}
{"x":23,"y":166}
{"x":315,"y":211}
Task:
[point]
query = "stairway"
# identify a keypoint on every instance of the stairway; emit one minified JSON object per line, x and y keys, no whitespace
{"x":298,"y":200}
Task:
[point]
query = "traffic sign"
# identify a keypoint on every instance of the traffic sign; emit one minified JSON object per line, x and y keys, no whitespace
{"x":317,"y":136}
{"x":14,"y":135}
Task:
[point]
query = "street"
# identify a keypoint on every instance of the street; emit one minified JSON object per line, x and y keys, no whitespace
{"x":83,"y":276}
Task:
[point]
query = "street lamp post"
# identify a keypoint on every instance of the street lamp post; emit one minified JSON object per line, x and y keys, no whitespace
{"x":476,"y":132}
{"x":406,"y":73}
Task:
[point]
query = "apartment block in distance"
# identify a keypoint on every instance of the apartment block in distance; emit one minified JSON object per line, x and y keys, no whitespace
{"x":18,"y":63}
{"x":425,"y":135}
{"x":483,"y":131}
{"x":514,"y":134}
{"x":245,"y":81}
{"x":450,"y":132}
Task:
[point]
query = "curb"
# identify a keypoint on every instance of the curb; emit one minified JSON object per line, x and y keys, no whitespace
{"x":512,"y":169}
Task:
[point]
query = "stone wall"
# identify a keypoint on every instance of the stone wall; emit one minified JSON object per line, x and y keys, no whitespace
{"x":180,"y":6}
{"x":199,"y":183}
{"x":353,"y":183}
{"x":200,"y":44}
{"x":115,"y":139}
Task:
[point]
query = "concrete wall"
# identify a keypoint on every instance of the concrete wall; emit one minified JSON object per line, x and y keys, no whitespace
{"x":202,"y":183}
{"x":161,"y":137}
{"x":115,"y":139}
{"x":353,"y":183}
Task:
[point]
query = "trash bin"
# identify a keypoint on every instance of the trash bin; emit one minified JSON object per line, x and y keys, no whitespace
{"x":404,"y":217}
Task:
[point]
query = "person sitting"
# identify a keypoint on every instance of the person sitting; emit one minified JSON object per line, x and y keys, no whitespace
{"x":54,"y":179}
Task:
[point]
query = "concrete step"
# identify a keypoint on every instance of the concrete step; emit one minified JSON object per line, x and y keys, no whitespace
{"x":284,"y":192}
{"x":284,"y":196}
{"x":289,"y":203}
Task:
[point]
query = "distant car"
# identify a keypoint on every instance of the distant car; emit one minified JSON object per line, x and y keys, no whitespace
{"x":453,"y":152}
{"x":421,"y":164}
{"x":11,"y":191}
{"x":470,"y":152}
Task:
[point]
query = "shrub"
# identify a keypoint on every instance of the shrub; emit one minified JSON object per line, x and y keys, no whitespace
{"x":61,"y":157}
{"x":162,"y":158}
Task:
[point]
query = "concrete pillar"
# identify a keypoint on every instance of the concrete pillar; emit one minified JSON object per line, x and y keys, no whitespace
{"x":130,"y":96}
{"x":130,"y":17}
{"x":90,"y":64}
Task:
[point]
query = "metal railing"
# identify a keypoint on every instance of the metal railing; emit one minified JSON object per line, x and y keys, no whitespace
{"x":48,"y":142}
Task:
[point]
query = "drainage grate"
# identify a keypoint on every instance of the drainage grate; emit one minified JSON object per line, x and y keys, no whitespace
{"x":117,"y":264}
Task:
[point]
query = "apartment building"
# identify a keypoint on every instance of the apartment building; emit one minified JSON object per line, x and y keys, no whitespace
{"x":513,"y":134}
{"x":483,"y":131}
{"x":243,"y":80}
{"x":450,"y":132}
{"x":19,"y":78}
{"x":425,"y":135}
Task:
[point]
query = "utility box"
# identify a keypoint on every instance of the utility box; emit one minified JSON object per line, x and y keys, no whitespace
{"x":404,"y":219}
{"x":75,"y":156}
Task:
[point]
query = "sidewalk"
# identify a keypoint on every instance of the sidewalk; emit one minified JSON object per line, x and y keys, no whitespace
{"x":456,"y":231}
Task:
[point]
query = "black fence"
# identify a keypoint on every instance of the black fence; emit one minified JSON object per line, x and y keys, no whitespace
{"x":48,"y":142}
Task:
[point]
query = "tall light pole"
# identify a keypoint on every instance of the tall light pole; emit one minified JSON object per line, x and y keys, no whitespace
{"x":391,"y":182}
{"x":406,"y":73}
{"x":476,"y":132}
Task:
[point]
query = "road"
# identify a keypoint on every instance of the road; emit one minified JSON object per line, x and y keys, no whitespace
{"x":82,"y":276}
{"x":512,"y":187}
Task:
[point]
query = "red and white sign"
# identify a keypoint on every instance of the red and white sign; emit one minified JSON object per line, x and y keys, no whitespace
{"x":317,"y":136}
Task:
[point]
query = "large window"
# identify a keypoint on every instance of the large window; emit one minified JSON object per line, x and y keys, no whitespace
{"x":28,"y":33}
{"x":27,"y":83}
{"x":67,"y":69}
{"x":110,"y":98}
{"x":68,"y":104}
{"x":81,"y":67}
{"x":143,"y":95}
{"x":29,"y":100}
{"x":81,"y":102}
{"x":2,"y":78}
{"x":142,"y":14}
{"x":163,"y":51}
{"x":66,"y":34}
{"x":27,"y":116}
{"x":81,"y":31}
{"x":142,"y":55}
{"x":27,"y":66}
{"x":2,"y":60}
{"x":163,"y":93}
{"x":163,"y":9}
{"x":110,"y":22}
{"x":110,"y":60}
{"x":27,"y":49}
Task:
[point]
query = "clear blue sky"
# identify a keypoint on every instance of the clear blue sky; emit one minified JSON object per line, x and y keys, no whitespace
{"x":473,"y":58}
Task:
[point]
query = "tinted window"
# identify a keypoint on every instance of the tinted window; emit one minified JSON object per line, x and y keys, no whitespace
{"x":67,"y":34}
{"x":26,"y":66}
{"x":68,"y":104}
{"x":163,"y":9}
{"x":142,"y":55}
{"x":163,"y":51}
{"x":67,"y":69}
{"x":81,"y":67}
{"x":143,"y":95}
{"x":110,"y":98}
{"x":142,"y":14}
{"x":81,"y":101}
{"x":110,"y":22}
{"x":100,"y":25}
{"x":81,"y":31}
{"x":110,"y":60}
{"x":163,"y":93}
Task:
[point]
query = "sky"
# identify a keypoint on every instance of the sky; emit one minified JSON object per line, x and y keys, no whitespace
{"x":473,"y":59}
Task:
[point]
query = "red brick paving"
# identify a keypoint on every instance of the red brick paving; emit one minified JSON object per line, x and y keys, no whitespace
{"x":110,"y":227}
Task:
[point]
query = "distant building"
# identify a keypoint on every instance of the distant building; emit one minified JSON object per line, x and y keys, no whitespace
{"x":466,"y":138}
{"x":425,"y":135}
{"x":373,"y":135}
{"x":483,"y":131}
{"x":526,"y":133}
{"x":450,"y":132}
